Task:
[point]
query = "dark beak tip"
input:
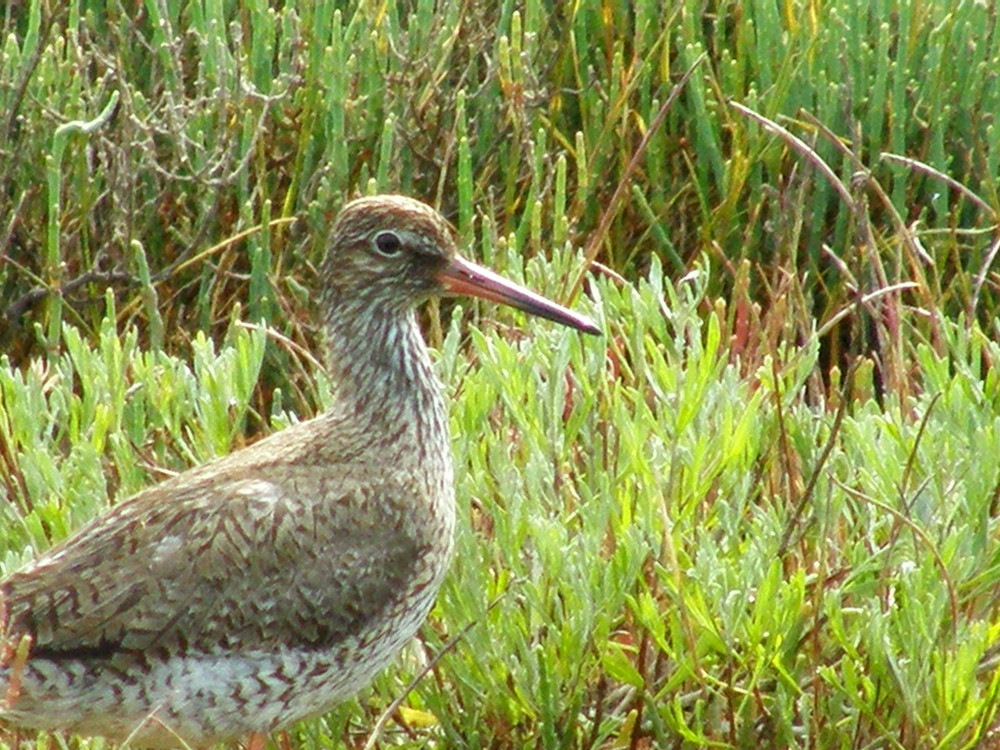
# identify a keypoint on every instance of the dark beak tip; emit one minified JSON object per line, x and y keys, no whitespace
{"x":571,"y":319}
{"x":584,"y":324}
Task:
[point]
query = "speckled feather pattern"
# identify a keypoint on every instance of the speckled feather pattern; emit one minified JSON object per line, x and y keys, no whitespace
{"x":271,"y":583}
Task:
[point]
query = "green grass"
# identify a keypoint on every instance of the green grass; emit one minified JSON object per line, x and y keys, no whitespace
{"x":761,"y":511}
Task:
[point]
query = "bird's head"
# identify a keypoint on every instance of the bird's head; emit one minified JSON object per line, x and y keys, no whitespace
{"x":395,"y":252}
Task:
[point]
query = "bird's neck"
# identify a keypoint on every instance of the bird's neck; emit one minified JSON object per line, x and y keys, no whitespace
{"x":381,"y":370}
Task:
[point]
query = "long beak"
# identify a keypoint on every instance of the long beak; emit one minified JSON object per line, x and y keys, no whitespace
{"x":461,"y":276}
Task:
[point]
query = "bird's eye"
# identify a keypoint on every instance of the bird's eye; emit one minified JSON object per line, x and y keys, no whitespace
{"x":388,"y":243}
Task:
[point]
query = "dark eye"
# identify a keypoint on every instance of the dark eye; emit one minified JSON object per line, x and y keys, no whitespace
{"x":388,"y":243}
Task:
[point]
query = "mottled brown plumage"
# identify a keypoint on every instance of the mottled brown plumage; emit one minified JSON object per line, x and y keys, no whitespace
{"x":271,"y":583}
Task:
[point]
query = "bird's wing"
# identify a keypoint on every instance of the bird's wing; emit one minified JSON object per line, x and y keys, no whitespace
{"x":215,"y":560}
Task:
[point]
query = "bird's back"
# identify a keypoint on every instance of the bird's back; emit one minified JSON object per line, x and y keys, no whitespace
{"x":267,"y":584}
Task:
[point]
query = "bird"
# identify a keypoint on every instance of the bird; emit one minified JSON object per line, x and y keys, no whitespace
{"x":271,"y":583}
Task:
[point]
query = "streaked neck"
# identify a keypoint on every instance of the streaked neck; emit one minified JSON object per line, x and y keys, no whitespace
{"x":380,"y":367}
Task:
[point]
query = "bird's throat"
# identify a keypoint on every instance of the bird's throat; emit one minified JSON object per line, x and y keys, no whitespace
{"x":382,"y":372}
